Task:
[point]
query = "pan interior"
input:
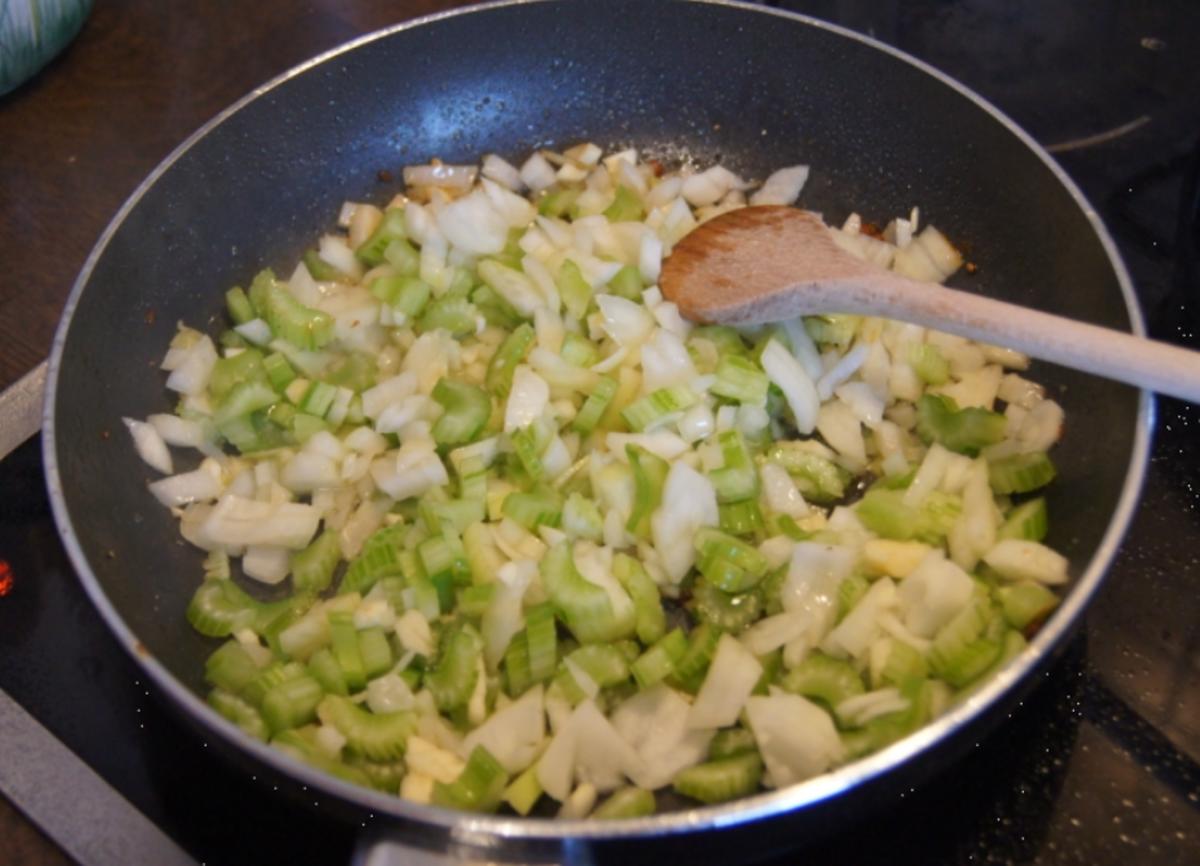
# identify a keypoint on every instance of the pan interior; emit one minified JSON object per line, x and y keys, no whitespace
{"x":704,"y":82}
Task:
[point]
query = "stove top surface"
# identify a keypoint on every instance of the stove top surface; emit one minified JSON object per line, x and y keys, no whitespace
{"x":1099,"y":764}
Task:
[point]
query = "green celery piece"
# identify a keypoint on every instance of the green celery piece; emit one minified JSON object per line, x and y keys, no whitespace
{"x":651,"y":618}
{"x":343,"y":637}
{"x":742,"y":518}
{"x":740,"y":379}
{"x":449,"y":313}
{"x":312,"y":568}
{"x":657,"y":406}
{"x":832,"y":329}
{"x":239,"y":306}
{"x":965,"y":431}
{"x":1029,"y":521}
{"x":850,"y":592}
{"x":295,"y":323}
{"x":242,"y":368}
{"x":468,"y":408}
{"x":323,"y":667}
{"x":540,"y":507}
{"x":660,"y":660}
{"x":627,"y":802}
{"x":292,"y":703}
{"x":240,"y":712}
{"x":627,"y":283}
{"x":524,"y":791}
{"x":453,"y":677}
{"x":693,"y":665}
{"x":510,"y":354}
{"x":403,"y":256}
{"x":220,"y":607}
{"x":1021,"y":473}
{"x":731,"y":741}
{"x":649,"y":474}
{"x":818,"y":479}
{"x":230,"y":667}
{"x":729,"y":612}
{"x":575,"y":291}
{"x":1026,"y":603}
{"x":557,"y":200}
{"x":626,"y":207}
{"x":376,"y":736}
{"x":824,"y":678}
{"x":722,"y":780}
{"x":582,"y":605}
{"x":594,"y":406}
{"x":885,"y":513}
{"x":478,"y":788}
{"x":371,"y":252}
{"x":929,"y":364}
{"x":320,"y":270}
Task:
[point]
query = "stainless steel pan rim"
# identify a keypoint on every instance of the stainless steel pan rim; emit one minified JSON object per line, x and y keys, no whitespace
{"x":487,"y":831}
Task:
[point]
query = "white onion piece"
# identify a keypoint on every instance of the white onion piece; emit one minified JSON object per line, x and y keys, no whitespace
{"x":266,"y":564}
{"x":527,"y":400}
{"x":256,"y":331}
{"x":860,"y":709}
{"x":334,"y":251}
{"x":503,"y":172}
{"x":782,"y":186}
{"x":786,"y":372}
{"x":472,"y":224}
{"x":933,"y":593}
{"x":796,"y":738}
{"x":731,"y":678}
{"x":537,"y":173}
{"x":180,"y":432}
{"x":150,"y":445}
{"x":200,"y":485}
{"x":452,"y":177}
{"x":846,"y":367}
{"x":192,"y":373}
{"x":688,"y":503}
{"x":236,"y":521}
{"x":626,"y":322}
{"x":514,"y":734}
{"x":513,"y":286}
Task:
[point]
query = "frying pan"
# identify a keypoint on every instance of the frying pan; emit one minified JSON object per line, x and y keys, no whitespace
{"x":753,"y":88}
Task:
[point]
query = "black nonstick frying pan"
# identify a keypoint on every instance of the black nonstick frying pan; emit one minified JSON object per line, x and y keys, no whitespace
{"x":753,"y":88}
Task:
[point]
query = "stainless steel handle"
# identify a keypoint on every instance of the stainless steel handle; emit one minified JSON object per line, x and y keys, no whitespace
{"x":21,"y":409}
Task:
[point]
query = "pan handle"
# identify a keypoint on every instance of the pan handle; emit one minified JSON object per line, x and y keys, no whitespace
{"x":383,"y":849}
{"x":21,"y":409}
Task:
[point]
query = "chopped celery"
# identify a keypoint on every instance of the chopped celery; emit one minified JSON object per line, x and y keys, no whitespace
{"x":649,"y":473}
{"x":626,"y":207}
{"x":741,"y":380}
{"x":721,"y":780}
{"x":627,"y":802}
{"x":963,"y":430}
{"x":467,"y":410}
{"x":1021,"y":473}
{"x":1027,"y":522}
{"x":478,"y":788}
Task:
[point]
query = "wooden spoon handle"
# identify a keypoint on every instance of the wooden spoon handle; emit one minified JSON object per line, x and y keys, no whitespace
{"x":1113,"y":354}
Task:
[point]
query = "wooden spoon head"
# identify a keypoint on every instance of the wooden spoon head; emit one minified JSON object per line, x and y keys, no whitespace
{"x":755,"y":265}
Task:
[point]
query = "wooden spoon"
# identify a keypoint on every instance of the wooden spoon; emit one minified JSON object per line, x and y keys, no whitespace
{"x":765,"y":264}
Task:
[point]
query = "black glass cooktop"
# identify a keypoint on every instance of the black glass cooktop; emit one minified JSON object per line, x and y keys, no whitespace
{"x":1099,"y":765}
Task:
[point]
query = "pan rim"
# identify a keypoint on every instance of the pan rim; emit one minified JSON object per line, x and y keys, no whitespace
{"x":482,"y":831}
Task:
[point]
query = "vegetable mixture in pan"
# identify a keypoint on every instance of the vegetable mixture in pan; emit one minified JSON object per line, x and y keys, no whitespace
{"x":532,"y":538}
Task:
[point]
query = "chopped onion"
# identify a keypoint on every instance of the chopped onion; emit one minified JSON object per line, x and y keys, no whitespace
{"x":150,"y":445}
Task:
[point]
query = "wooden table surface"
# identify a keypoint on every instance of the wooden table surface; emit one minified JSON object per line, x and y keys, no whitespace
{"x":77,"y":139}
